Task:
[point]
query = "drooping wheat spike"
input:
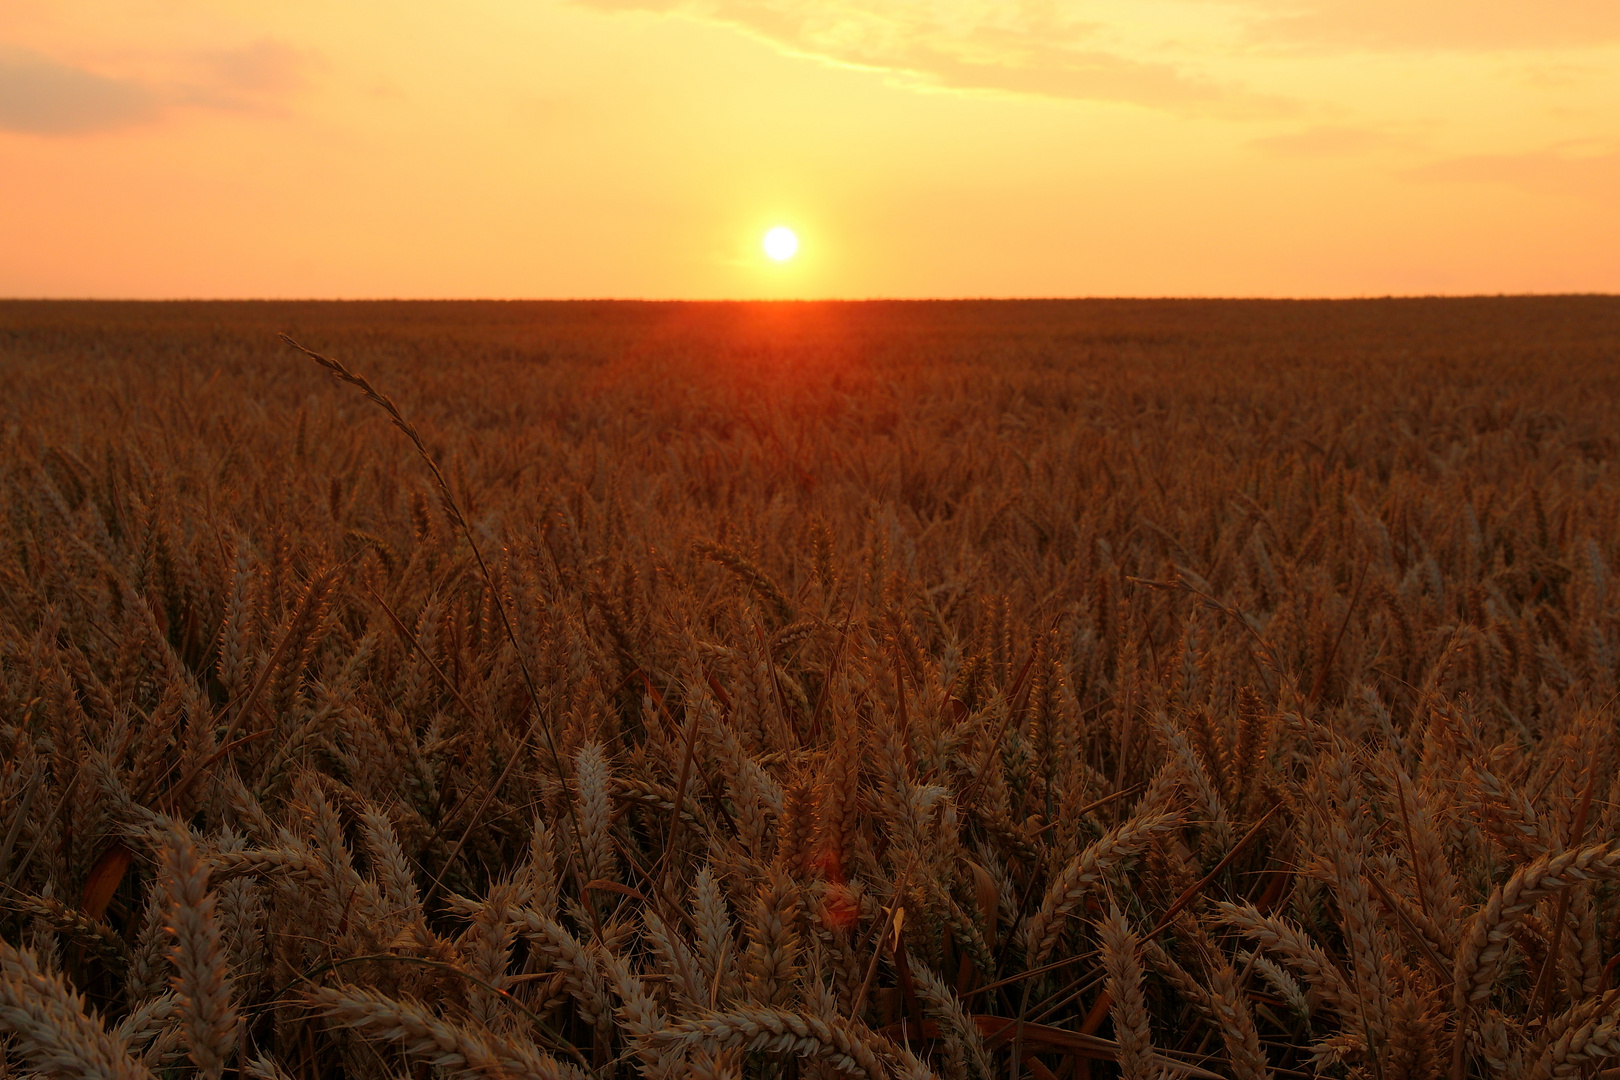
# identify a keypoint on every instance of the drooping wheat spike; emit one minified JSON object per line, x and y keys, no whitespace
{"x":1438,"y":892}
{"x":757,"y":580}
{"x":756,"y":796}
{"x":1084,"y":873}
{"x":1161,"y":790}
{"x":773,"y":1031}
{"x":262,"y":1068}
{"x":1286,"y":986}
{"x":1490,"y":1032}
{"x":292,"y":857}
{"x":576,"y":961}
{"x":792,"y":634}
{"x":201,"y":980}
{"x":382,"y":401}
{"x":243,"y":921}
{"x":1586,"y":943}
{"x":1177,"y":976}
{"x":718,"y":1065}
{"x":301,"y":634}
{"x":51,"y":1027}
{"x":75,"y":924}
{"x":152,"y":752}
{"x":1298,"y":951}
{"x":1509,"y":816}
{"x":459,"y":1051}
{"x":1563,"y":1045}
{"x":964,"y":931}
{"x":487,"y":946}
{"x":1209,"y":742}
{"x":322,"y":825}
{"x":1365,"y":933}
{"x":248,"y":811}
{"x":1119,"y":953}
{"x":145,"y":1023}
{"x":596,"y":812}
{"x":1411,"y":920}
{"x":1487,"y":934}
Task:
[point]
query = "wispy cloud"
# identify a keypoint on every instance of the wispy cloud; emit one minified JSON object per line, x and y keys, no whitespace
{"x":1332,"y":140}
{"x":259,"y":69}
{"x":1174,"y":55}
{"x":1038,"y":47}
{"x":1436,"y":25}
{"x":42,"y":95}
{"x":1590,"y":171}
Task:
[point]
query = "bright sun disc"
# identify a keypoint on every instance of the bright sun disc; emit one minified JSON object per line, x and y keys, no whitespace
{"x":780,"y":243}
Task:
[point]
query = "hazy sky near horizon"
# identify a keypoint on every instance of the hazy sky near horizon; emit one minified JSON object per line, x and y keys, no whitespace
{"x":641,"y":148}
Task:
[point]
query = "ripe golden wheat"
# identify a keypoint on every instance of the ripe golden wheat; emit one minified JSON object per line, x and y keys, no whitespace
{"x":1027,"y":690}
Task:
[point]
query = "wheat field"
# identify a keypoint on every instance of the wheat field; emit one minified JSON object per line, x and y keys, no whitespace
{"x":1027,"y":690}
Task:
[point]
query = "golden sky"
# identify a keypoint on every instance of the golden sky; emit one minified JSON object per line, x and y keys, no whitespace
{"x":641,"y":148}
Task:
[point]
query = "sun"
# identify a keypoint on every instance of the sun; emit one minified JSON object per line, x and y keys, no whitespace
{"x":781,"y":243}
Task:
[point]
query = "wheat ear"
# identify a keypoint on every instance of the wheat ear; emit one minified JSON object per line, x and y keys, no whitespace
{"x":52,"y":1028}
{"x":944,"y":1003}
{"x":679,"y":961}
{"x":1298,"y":951}
{"x":1586,"y":1032}
{"x":1120,"y":948}
{"x":148,"y":1021}
{"x":595,"y":811}
{"x":200,"y":981}
{"x":775,"y":1032}
{"x":458,"y":1050}
{"x":1486,"y":936}
{"x":1083,"y":874}
{"x":262,"y":1068}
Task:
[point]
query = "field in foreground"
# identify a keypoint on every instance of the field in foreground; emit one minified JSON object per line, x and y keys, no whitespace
{"x":1075,"y":689}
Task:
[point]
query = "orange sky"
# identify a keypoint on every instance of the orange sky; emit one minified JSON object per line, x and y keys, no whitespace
{"x":564,"y":148}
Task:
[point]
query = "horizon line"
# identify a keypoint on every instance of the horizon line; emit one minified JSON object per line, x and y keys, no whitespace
{"x":1116,"y":298}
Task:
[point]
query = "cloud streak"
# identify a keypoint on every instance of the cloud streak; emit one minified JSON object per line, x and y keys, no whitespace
{"x":1018,"y":46}
{"x":1161,"y":55}
{"x":40,"y":95}
{"x":1331,"y":140}
{"x":1586,"y":172}
{"x":1437,"y":25}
